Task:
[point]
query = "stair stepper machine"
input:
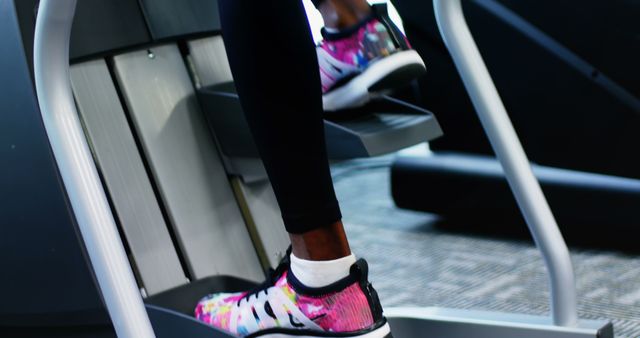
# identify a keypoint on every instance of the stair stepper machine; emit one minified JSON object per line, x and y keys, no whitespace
{"x":393,"y":125}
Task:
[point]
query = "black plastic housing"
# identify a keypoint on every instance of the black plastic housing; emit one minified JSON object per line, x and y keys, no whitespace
{"x":472,"y":194}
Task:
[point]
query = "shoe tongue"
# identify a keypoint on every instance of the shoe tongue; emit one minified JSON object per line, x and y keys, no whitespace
{"x":282,"y":267}
{"x":282,"y":280}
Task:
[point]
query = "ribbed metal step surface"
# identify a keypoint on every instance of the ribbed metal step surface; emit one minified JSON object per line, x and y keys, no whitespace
{"x":383,"y":126}
{"x":372,"y":124}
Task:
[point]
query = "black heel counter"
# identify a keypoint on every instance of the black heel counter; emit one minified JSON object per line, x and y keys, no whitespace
{"x":362,"y":269}
{"x":382,"y":13}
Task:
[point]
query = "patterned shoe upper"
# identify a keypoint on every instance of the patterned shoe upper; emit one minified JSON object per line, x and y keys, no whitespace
{"x":341,"y":307}
{"x":344,"y":54}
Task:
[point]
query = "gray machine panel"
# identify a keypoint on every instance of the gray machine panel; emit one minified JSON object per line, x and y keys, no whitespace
{"x":211,"y":67}
{"x":210,"y":60}
{"x":171,"y":18}
{"x":185,"y":163}
{"x":266,"y":218}
{"x":125,"y":177}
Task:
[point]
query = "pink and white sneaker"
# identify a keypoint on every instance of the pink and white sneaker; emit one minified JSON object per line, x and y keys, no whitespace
{"x":283,"y":307}
{"x":366,"y":60}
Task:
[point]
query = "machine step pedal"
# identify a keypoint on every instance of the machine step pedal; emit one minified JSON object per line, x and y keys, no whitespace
{"x":381,"y":127}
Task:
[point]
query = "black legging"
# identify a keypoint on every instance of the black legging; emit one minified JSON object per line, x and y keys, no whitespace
{"x":275,"y":68}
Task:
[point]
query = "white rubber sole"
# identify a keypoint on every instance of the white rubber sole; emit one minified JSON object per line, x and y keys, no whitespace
{"x":381,"y":332}
{"x":387,"y":73}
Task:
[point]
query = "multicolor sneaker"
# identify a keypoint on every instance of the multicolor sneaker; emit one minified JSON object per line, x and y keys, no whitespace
{"x":368,"y":59}
{"x":283,"y":307}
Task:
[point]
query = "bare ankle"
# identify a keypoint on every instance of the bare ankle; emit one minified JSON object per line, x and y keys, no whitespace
{"x":340,"y":14}
{"x":322,"y":244}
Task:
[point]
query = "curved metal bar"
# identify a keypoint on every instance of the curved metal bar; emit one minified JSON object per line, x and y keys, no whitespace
{"x":505,"y":142}
{"x":78,"y":171}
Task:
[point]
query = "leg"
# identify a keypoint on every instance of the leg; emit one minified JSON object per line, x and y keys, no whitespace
{"x":286,"y":119}
{"x":322,"y":289}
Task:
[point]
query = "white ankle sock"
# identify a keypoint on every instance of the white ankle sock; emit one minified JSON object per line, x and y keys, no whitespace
{"x":316,"y":274}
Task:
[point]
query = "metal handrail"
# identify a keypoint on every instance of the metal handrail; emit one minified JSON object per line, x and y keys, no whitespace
{"x":505,"y":143}
{"x":79,"y":175}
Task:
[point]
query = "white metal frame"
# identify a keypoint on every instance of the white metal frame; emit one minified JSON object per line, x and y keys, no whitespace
{"x":506,"y":144}
{"x":82,"y":183}
{"x":458,"y":323}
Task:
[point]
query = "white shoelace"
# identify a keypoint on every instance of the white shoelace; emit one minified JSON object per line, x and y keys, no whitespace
{"x":286,"y":313}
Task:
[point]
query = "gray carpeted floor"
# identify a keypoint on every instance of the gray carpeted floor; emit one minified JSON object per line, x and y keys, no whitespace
{"x":414,"y":263}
